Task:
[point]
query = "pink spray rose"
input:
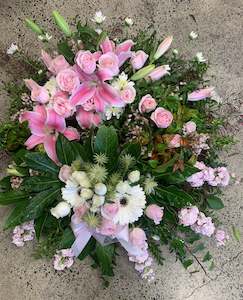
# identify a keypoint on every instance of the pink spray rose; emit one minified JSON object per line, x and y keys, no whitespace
{"x":137,"y":237}
{"x":64,"y":173}
{"x":175,"y":142}
{"x":86,"y":61}
{"x":147,"y":104}
{"x":221,"y":237}
{"x":189,"y":127}
{"x":109,"y":210}
{"x":155,"y":213}
{"x":188,"y":215}
{"x":159,"y":72}
{"x":138,"y":59}
{"x":107,"y":227}
{"x":109,"y":61}
{"x":68,"y":80}
{"x":128,"y":94}
{"x":61,"y":104}
{"x":162,"y":117}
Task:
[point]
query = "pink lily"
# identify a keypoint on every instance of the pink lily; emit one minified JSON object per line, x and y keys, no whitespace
{"x":201,"y":94}
{"x":163,"y":47}
{"x":159,"y":72}
{"x":45,"y":125}
{"x":86,"y":119}
{"x":38,"y":93}
{"x":55,"y":65}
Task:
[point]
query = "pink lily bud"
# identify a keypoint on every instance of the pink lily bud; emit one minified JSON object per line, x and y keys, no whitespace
{"x":138,"y":59}
{"x":38,"y":93}
{"x":159,"y":72}
{"x":201,"y":94}
{"x":163,"y":47}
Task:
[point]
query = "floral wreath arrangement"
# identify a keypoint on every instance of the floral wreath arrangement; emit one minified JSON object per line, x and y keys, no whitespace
{"x":122,"y":148}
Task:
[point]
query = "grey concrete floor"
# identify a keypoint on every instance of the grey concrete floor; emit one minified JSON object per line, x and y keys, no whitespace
{"x":220,"y":27}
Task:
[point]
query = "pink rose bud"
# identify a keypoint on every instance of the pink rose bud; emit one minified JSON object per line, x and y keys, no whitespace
{"x":138,"y":59}
{"x":175,"y":142}
{"x":38,"y":93}
{"x":128,"y":94}
{"x":163,"y":47}
{"x":155,"y":213}
{"x":189,"y":127}
{"x":159,"y":72}
{"x":86,"y":61}
{"x":109,"y":61}
{"x":162,"y":117}
{"x":137,"y":237}
{"x":61,"y":105}
{"x":200,"y":94}
{"x":147,"y":104}
{"x":64,"y":173}
{"x":109,"y":210}
{"x":221,"y":237}
{"x":68,"y":80}
{"x":188,"y":215}
{"x":107,"y":227}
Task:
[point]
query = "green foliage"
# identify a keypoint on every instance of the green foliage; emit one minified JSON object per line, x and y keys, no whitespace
{"x":215,"y":202}
{"x":64,"y":49}
{"x":40,"y":162}
{"x":174,"y":196}
{"x":12,"y":197}
{"x":103,"y":257}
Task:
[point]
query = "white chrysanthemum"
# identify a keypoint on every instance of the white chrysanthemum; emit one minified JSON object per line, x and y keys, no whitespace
{"x":200,"y":58}
{"x":131,"y":201}
{"x":149,"y":185}
{"x":72,"y":195}
{"x":99,"y":17}
{"x":111,"y":111}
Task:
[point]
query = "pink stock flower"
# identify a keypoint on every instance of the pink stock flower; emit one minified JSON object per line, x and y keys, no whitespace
{"x":147,"y":104}
{"x":87,"y":119}
{"x":200,"y":94}
{"x":63,"y":259}
{"x":38,"y":93}
{"x":107,"y":227}
{"x":138,"y":59}
{"x":55,"y":65}
{"x":61,"y":104}
{"x":109,"y":61}
{"x":86,"y":61}
{"x":64,"y":173}
{"x":45,"y":124}
{"x":188,"y":215}
{"x":200,"y":165}
{"x":221,"y":177}
{"x":109,"y":210}
{"x":128,"y":94}
{"x":68,"y":80}
{"x":23,"y":233}
{"x":189,"y":127}
{"x":175,"y":142}
{"x":221,"y":237}
{"x":137,"y":237}
{"x":163,"y":47}
{"x":203,"y":225}
{"x":162,"y":117}
{"x":196,"y":179}
{"x":159,"y":72}
{"x":155,"y":213}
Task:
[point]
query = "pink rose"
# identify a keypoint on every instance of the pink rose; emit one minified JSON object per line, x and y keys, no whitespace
{"x":86,"y":61}
{"x":58,"y":64}
{"x":138,"y":59}
{"x":68,"y":80}
{"x":221,"y":237}
{"x":155,"y":213}
{"x":162,"y":117}
{"x":159,"y":72}
{"x":109,"y":61}
{"x":188,"y":215}
{"x":175,"y":142}
{"x":107,"y":227}
{"x":128,"y":94}
{"x":138,"y":237}
{"x":61,"y":105}
{"x":64,"y":173}
{"x":147,"y":104}
{"x":109,"y":210}
{"x":189,"y":127}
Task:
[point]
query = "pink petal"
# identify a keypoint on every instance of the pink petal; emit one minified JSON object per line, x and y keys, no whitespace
{"x":36,"y":122}
{"x":31,"y":84}
{"x":99,"y":103}
{"x":109,"y":95}
{"x":33,"y":141}
{"x":55,"y":121}
{"x":124,"y":47}
{"x":83,"y":94}
{"x":105,"y":74}
{"x":123,"y":56}
{"x":71,"y":134}
{"x":84,"y":118}
{"x":50,"y":147}
{"x":200,"y":94}
{"x":97,"y":55}
{"x":107,"y":45}
{"x":46,"y":58}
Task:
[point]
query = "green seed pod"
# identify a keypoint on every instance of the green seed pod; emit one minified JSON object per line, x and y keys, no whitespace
{"x":61,"y":23}
{"x":142,"y":72}
{"x":34,"y":27}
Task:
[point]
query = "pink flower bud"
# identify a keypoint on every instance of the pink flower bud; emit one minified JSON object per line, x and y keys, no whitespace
{"x":188,"y":215}
{"x":162,"y":117}
{"x":137,"y":237}
{"x":159,"y":72}
{"x":64,"y":173}
{"x":107,"y":227}
{"x":138,"y":59}
{"x":163,"y":47}
{"x":200,"y":94}
{"x":147,"y":104}
{"x":155,"y":213}
{"x":189,"y":127}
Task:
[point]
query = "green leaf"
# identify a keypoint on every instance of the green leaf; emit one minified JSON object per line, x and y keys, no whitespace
{"x":12,"y":197}
{"x":5,"y":184}
{"x":88,"y":249}
{"x":67,"y":239}
{"x":40,"y":202}
{"x":153,"y":163}
{"x":199,"y":247}
{"x":106,"y":142}
{"x":133,"y":149}
{"x":207,"y":257}
{"x":187,"y":263}
{"x":215,"y":202}
{"x":39,"y":225}
{"x":40,"y":183}
{"x":163,"y":168}
{"x":64,"y":49}
{"x":103,"y":256}
{"x":175,"y":196}
{"x":41,"y":162}
{"x":16,"y":216}
{"x":236,"y":233}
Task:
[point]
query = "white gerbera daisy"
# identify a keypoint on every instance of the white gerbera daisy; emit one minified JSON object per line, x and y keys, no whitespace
{"x":131,"y":200}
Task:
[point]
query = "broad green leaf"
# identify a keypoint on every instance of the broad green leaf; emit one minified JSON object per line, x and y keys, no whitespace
{"x":40,"y":202}
{"x":67,"y":239}
{"x":215,"y":202}
{"x":103,"y":256}
{"x":5,"y":184}
{"x":40,"y":183}
{"x":40,"y":162}
{"x":39,"y":225}
{"x":187,"y":263}
{"x":175,"y":196}
{"x":66,"y":51}
{"x":16,"y":216}
{"x":236,"y":233}
{"x":88,"y":249}
{"x":177,"y":177}
{"x":164,"y":167}
{"x":13,"y":197}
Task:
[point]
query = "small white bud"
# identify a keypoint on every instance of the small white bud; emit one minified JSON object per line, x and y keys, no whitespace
{"x":134,"y":176}
{"x":122,"y":187}
{"x":86,"y":194}
{"x":100,"y":189}
{"x":129,"y":21}
{"x":61,"y":210}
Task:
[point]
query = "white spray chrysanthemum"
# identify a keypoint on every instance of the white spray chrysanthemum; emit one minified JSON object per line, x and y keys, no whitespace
{"x":12,"y":49}
{"x":200,"y":58}
{"x":193,"y":35}
{"x":99,"y":17}
{"x":129,"y":21}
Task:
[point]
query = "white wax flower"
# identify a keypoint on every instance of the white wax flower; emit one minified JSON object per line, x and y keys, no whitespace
{"x":100,"y":189}
{"x":200,"y":58}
